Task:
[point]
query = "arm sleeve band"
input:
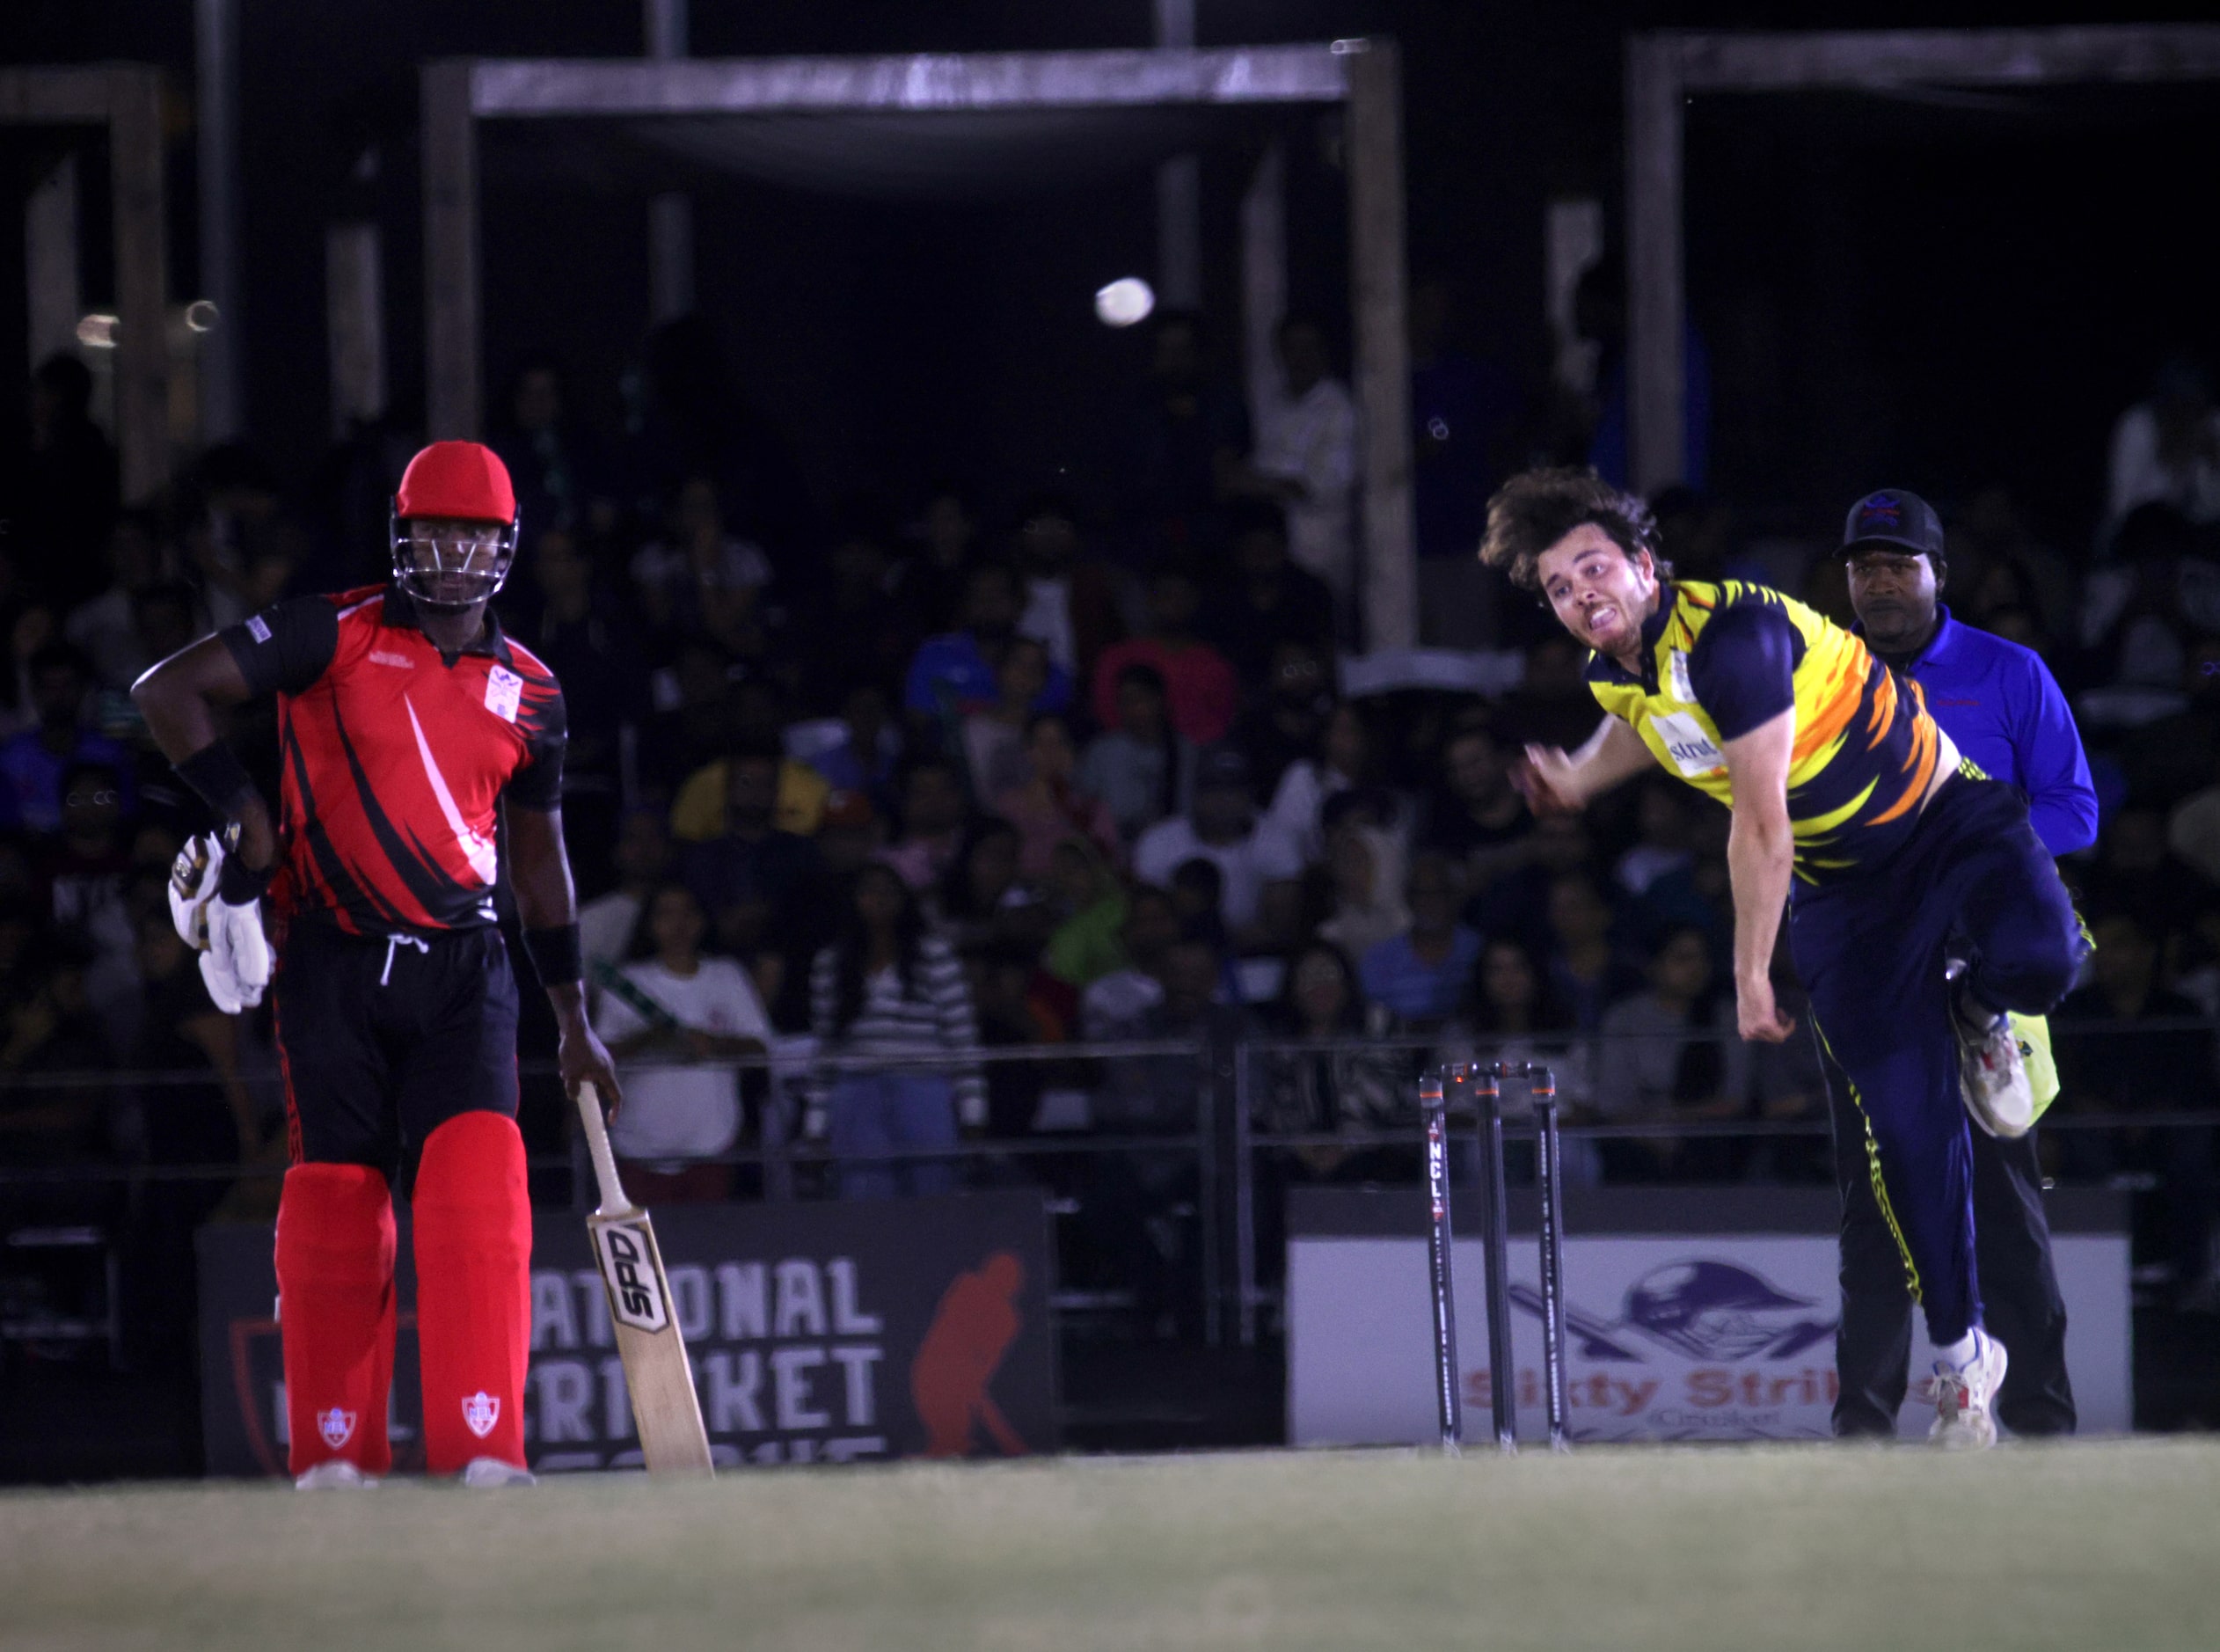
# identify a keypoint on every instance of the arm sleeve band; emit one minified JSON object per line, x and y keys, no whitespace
{"x":1743,"y":667}
{"x":217,"y":776}
{"x":287,"y":646}
{"x":555,"y":954}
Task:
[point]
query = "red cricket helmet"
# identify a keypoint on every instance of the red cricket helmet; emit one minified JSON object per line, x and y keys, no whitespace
{"x":460,"y":481}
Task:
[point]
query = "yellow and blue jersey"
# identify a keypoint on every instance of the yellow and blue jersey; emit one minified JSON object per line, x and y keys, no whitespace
{"x":1721,"y":659}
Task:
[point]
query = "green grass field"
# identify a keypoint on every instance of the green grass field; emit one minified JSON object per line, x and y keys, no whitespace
{"x":2098,"y":1545}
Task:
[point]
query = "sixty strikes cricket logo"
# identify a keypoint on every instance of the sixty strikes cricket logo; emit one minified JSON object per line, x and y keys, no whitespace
{"x":1699,"y":1349}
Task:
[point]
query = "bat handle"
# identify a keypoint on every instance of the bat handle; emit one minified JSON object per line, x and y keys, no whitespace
{"x":589,"y":1112}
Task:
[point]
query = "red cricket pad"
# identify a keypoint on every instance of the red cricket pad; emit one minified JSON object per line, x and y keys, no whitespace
{"x":465,"y":480}
{"x":335,"y":1313}
{"x":474,"y":1291}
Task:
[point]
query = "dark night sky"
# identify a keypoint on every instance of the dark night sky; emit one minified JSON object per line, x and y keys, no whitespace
{"x":1943,"y":294}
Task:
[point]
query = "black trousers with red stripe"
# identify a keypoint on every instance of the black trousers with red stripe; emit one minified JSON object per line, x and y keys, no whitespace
{"x":386,"y":1038}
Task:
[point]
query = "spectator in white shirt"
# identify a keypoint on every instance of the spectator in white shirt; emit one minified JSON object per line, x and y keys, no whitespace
{"x":2166,"y":448}
{"x":688,"y":1015}
{"x":1305,"y":459}
{"x":701,"y":581}
{"x":1258,"y":862}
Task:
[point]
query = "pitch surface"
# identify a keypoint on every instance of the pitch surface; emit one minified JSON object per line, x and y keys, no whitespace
{"x":2094,"y":1545}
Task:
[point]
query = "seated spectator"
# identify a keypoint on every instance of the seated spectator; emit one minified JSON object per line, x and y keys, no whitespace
{"x":683,"y":1016}
{"x":582,"y":636}
{"x":1114,"y":1005}
{"x":931,"y":580}
{"x":889,"y":988}
{"x":1091,"y":910}
{"x":753,"y":719}
{"x":556,"y":465}
{"x":2134,"y":1069}
{"x":953,"y":675}
{"x":993,"y":736}
{"x":1355,"y":1088}
{"x":63,"y":487}
{"x":1287,"y":718}
{"x":33,"y":763}
{"x":1305,"y":456}
{"x":1071,"y":607}
{"x":1144,"y":769}
{"x":932,"y":821}
{"x":854,"y":630}
{"x":745,"y":876}
{"x":857,"y":751}
{"x":1586,"y":971}
{"x":699,"y":581}
{"x":1423,"y":972}
{"x":2137,"y":874}
{"x":1048,"y":804}
{"x":47,"y":1027}
{"x":200,"y":1113}
{"x":1269,"y":602}
{"x":1476,"y":814}
{"x":88,"y":866}
{"x":1365,"y":879}
{"x":243,"y":544}
{"x":1672,"y":1053}
{"x":1343,"y":763}
{"x":690,"y":723}
{"x":1665,"y":842}
{"x":1258,"y":862}
{"x":607,"y":923}
{"x":103,"y":626}
{"x":1552,"y":706}
{"x":1204,"y":693}
{"x":2133,"y":629}
{"x":980,"y":901}
{"x":2166,"y":448}
{"x":1515,"y":1016}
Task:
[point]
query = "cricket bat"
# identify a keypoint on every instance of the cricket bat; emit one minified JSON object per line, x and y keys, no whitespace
{"x":661,"y":1384}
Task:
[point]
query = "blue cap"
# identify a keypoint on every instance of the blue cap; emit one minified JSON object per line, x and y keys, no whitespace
{"x":1892,"y":517}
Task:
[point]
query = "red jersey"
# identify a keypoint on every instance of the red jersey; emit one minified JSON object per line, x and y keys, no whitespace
{"x":394,"y":758}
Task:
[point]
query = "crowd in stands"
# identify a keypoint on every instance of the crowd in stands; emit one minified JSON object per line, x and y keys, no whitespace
{"x":928,"y":779}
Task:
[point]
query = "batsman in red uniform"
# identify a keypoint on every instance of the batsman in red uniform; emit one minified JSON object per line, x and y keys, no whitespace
{"x":407,"y":720}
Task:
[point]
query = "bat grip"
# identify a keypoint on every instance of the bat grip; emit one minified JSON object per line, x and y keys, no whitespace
{"x":589,"y":1112}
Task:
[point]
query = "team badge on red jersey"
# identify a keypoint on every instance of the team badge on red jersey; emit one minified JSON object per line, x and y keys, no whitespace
{"x":480,"y":1412}
{"x":336,"y":1426}
{"x":504,"y":689}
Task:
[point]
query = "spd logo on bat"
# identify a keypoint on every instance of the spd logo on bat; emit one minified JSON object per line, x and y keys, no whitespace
{"x":635,"y":1296}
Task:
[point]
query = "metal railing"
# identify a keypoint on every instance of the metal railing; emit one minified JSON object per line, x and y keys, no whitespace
{"x":1212,"y":1125}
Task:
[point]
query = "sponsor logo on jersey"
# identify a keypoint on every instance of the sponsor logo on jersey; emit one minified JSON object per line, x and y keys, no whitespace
{"x":258,"y":628}
{"x":380,"y":656}
{"x":336,"y":1426}
{"x":635,"y":1296}
{"x":503,"y":689}
{"x":480,"y":1412}
{"x":1687,"y":744}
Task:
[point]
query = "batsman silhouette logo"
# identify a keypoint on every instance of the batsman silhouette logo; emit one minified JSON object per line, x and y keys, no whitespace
{"x":971,"y":1333}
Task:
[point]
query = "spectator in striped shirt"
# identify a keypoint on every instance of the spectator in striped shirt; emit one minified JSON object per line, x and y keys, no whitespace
{"x":890,"y":988}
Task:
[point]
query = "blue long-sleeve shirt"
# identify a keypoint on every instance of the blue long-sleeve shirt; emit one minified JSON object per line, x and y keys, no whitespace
{"x":1999,"y":703}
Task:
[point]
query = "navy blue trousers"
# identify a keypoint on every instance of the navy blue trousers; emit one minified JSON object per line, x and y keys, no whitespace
{"x":1871,"y":951}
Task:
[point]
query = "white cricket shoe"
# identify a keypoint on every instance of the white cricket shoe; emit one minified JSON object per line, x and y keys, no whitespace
{"x":1992,"y":1068}
{"x":485,"y":1474}
{"x":1965,"y":1397}
{"x":339,"y":1474}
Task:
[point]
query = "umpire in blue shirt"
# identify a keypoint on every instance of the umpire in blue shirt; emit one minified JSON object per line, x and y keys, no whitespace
{"x":2000,"y":703}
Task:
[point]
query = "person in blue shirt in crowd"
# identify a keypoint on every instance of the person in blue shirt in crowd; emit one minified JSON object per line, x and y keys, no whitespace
{"x":1998,"y":702}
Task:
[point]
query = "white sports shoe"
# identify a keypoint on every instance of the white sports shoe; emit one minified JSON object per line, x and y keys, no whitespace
{"x":339,"y":1474}
{"x":491,"y":1473}
{"x":1964,"y":1395}
{"x":1992,"y":1070}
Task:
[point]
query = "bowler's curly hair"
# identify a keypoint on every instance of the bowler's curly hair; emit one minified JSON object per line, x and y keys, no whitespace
{"x":1536,"y":508}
